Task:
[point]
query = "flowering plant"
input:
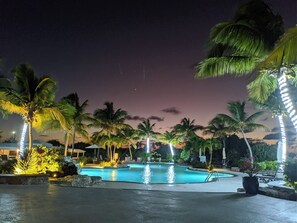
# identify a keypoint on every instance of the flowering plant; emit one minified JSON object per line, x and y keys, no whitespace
{"x":246,"y":166}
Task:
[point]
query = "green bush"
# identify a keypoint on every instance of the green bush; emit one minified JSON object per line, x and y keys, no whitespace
{"x":267,"y":165}
{"x":264,"y":152}
{"x":199,"y":165}
{"x":83,"y":160}
{"x":7,"y":167}
{"x":37,"y":161}
{"x":68,"y":168}
{"x":185,"y":154}
{"x":290,"y":172}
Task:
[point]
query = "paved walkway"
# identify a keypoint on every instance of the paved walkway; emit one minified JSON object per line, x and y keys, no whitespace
{"x":47,"y":204}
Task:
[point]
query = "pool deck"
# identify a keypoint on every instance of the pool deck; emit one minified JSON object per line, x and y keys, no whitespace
{"x":139,"y":203}
{"x":51,"y":203}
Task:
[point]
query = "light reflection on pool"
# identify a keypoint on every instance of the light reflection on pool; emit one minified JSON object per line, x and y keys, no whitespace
{"x":152,"y":173}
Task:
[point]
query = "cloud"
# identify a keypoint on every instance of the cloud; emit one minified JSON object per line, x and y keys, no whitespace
{"x":135,"y":118}
{"x":139,"y":118}
{"x":156,"y":118}
{"x":272,"y":136}
{"x":172,"y":110}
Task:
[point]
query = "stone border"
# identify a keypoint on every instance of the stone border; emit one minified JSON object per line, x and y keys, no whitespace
{"x":24,"y":179}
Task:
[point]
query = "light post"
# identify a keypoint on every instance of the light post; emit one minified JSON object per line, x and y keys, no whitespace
{"x":13,"y":135}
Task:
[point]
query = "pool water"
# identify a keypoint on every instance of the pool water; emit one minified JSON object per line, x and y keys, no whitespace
{"x":153,"y":173}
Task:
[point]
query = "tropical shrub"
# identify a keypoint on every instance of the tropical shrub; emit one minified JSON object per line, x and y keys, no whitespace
{"x":28,"y":163}
{"x":68,"y":168}
{"x":290,"y":172}
{"x":185,"y":154}
{"x":38,"y":161}
{"x":7,"y":167}
{"x":264,"y":152}
{"x":198,"y":164}
{"x":267,"y":165}
{"x":83,"y":160}
{"x":246,"y":166}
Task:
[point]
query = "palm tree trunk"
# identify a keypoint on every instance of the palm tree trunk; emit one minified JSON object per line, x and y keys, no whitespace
{"x":249,"y":147}
{"x":224,"y":152}
{"x":66,"y":143}
{"x":289,"y":105}
{"x":210,"y":157}
{"x":23,"y":139}
{"x":131,"y":158}
{"x":73,"y":141}
{"x":283,"y":139}
{"x":30,"y":135}
{"x":148,"y":145}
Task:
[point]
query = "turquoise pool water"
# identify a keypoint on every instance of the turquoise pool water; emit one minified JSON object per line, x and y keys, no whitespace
{"x":152,"y":173}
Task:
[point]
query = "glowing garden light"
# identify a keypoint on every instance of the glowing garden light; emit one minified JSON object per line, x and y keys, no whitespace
{"x":23,"y":138}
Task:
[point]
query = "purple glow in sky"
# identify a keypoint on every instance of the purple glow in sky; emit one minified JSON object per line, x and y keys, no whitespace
{"x":138,"y":54}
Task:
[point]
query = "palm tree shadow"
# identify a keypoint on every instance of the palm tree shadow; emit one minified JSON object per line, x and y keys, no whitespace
{"x":238,"y":196}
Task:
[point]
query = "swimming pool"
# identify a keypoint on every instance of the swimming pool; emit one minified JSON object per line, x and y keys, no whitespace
{"x":153,"y":173}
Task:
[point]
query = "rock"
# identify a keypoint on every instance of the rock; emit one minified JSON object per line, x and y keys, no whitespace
{"x":240,"y":190}
{"x":96,"y":180}
{"x":279,"y":192}
{"x":81,"y":181}
{"x":24,"y":179}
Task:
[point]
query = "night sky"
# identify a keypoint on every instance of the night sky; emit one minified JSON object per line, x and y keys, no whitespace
{"x":138,"y":54}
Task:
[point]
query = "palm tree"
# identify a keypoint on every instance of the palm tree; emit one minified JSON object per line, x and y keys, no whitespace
{"x":31,"y":97}
{"x":238,"y":46}
{"x":110,"y":121}
{"x":239,"y":121}
{"x":129,"y":136}
{"x":281,"y":64}
{"x":78,"y":125}
{"x":145,"y":130}
{"x":218,"y":129}
{"x":68,"y":111}
{"x":273,"y":105}
{"x":212,"y":144}
{"x":172,"y":138}
{"x":187,"y":127}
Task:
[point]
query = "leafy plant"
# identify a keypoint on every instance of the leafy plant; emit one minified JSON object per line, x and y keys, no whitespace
{"x":7,"y":167}
{"x":37,"y":161}
{"x":28,"y":164}
{"x":291,"y":172}
{"x":248,"y":167}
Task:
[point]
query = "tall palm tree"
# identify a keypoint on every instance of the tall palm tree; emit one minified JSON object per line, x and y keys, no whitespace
{"x":31,"y":97}
{"x":110,"y":121}
{"x":212,"y":144}
{"x":240,"y":121}
{"x":218,"y":129}
{"x":79,"y":119}
{"x":273,"y":105}
{"x":129,"y":136}
{"x":187,"y":127}
{"x":145,"y":130}
{"x":171,"y":138}
{"x":68,"y":111}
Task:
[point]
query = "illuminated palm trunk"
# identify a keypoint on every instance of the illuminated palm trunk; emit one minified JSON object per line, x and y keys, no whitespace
{"x":283,"y":138}
{"x":148,"y":145}
{"x":66,"y":144}
{"x":23,"y":138}
{"x":171,"y":150}
{"x":284,"y":92}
